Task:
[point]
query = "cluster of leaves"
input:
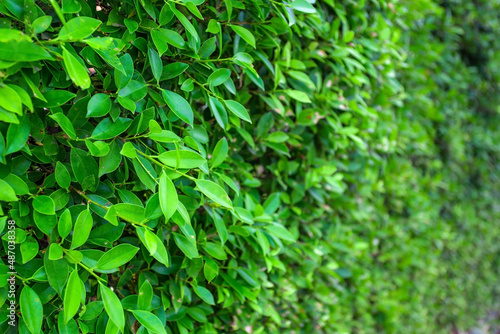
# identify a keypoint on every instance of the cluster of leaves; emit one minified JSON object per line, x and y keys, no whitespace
{"x":248,"y":165}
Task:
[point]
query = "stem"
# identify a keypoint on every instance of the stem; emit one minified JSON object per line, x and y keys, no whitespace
{"x":58,"y":11}
{"x":81,"y":193}
{"x":165,"y":166}
{"x":84,"y":266}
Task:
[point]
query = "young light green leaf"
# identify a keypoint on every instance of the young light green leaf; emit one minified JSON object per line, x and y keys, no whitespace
{"x":55,"y":252}
{"x":99,"y":105}
{"x":187,"y":246}
{"x":219,"y":77}
{"x":44,"y":204}
{"x":245,"y":34}
{"x":72,"y":296}
{"x":82,"y":228}
{"x":179,"y":106}
{"x":7,"y":194}
{"x":204,"y":294}
{"x":116,"y":257}
{"x":182,"y":159}
{"x":303,"y":6}
{"x":150,"y":321}
{"x":129,"y":150}
{"x":112,"y":306}
{"x":215,"y":192}
{"x":220,"y":153}
{"x":167,"y":196}
{"x":65,"y":124}
{"x":31,"y":309}
{"x":78,"y":28}
{"x":76,"y":71}
{"x":238,"y":109}
{"x":63,"y":178}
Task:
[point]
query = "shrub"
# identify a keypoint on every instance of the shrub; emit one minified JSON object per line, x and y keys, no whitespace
{"x":248,"y":165}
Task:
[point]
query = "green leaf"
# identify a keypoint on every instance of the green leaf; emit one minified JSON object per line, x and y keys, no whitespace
{"x":179,"y":106}
{"x":41,"y":24}
{"x":134,"y":91}
{"x":182,"y":159}
{"x":220,"y":153}
{"x":112,"y":306}
{"x":150,"y":321}
{"x":187,"y":246}
{"x":129,"y":150}
{"x":185,"y":22}
{"x":238,"y":109}
{"x":57,"y":272}
{"x":219,"y":77}
{"x":163,"y":37}
{"x":55,"y":252}
{"x":76,"y":71}
{"x":204,"y":294}
{"x":167,"y":196}
{"x":156,"y":63}
{"x":165,"y":136}
{"x":44,"y":204}
{"x":215,"y":192}
{"x":7,"y":194}
{"x":298,"y":95}
{"x":78,"y":28}
{"x":65,"y":124}
{"x":303,"y":6}
{"x":72,"y":296}
{"x":82,"y":228}
{"x":17,"y":135}
{"x":99,"y":105}
{"x":108,"y":129}
{"x":63,"y":177}
{"x":65,"y":224}
{"x":215,"y":250}
{"x":117,"y":257}
{"x":145,"y":295}
{"x":31,"y":309}
{"x":10,"y":100}
{"x":21,"y":50}
{"x":245,"y":34}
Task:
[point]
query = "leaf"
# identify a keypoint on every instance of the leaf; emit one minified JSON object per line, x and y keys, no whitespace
{"x":134,"y":90}
{"x":17,"y":135}
{"x":182,"y":159}
{"x":55,"y":252}
{"x":76,"y":71}
{"x":238,"y":109}
{"x":129,"y":150}
{"x":22,"y":50}
{"x":112,"y":306}
{"x":99,"y":105}
{"x":57,"y":272}
{"x":117,"y":257}
{"x":145,"y":295}
{"x":82,"y":229}
{"x":220,"y":153}
{"x":162,"y":37}
{"x":72,"y":296}
{"x":204,"y":294}
{"x":65,"y":124}
{"x":219,"y":77}
{"x":215,"y":192}
{"x":7,"y":194}
{"x":31,"y":309}
{"x":187,"y":246}
{"x":10,"y":100}
{"x":298,"y":95}
{"x":179,"y":106}
{"x":78,"y":28}
{"x":44,"y":204}
{"x":63,"y":178}
{"x":164,"y":136}
{"x":245,"y":34}
{"x":108,"y":129}
{"x":65,"y":224}
{"x":185,"y":22}
{"x":156,"y":63}
{"x":167,"y":196}
{"x":41,"y":24}
{"x":150,"y":321}
{"x":303,"y":6}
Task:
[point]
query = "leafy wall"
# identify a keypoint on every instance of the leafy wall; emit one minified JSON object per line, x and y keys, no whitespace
{"x":249,"y":166}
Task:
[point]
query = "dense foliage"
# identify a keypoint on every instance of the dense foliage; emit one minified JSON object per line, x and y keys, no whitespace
{"x":249,"y":166}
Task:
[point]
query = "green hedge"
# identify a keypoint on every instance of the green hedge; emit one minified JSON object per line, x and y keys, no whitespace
{"x":249,"y":166}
